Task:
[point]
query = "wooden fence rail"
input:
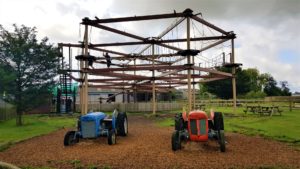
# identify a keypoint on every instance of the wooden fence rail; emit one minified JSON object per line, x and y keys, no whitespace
{"x":134,"y":107}
{"x":178,"y":105}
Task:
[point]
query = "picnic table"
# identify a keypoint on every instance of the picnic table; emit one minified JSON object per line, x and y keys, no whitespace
{"x":252,"y":109}
{"x":269,"y":110}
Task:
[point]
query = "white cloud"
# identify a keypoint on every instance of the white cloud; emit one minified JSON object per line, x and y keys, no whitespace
{"x":263,"y":28}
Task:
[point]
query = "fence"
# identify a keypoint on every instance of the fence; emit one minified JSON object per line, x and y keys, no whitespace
{"x":292,"y":102}
{"x":134,"y":107}
{"x":289,"y":101}
{"x":7,"y":111}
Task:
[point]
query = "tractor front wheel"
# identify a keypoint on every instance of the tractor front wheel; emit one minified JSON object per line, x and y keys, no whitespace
{"x":176,"y":142}
{"x":111,"y":137}
{"x":221,"y":140}
{"x":71,"y":138}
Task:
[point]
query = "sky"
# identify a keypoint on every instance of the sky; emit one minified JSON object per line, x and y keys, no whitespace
{"x":267,"y":31}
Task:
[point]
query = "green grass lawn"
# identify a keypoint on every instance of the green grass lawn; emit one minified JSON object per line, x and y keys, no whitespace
{"x":284,"y":128}
{"x":34,"y":125}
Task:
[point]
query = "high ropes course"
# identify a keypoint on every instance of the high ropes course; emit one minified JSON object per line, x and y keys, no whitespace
{"x":187,"y":52}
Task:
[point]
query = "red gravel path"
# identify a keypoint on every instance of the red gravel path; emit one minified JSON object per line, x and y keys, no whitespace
{"x":149,"y":146}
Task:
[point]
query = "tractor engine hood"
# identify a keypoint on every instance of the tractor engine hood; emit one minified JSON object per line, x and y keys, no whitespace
{"x":95,"y":116}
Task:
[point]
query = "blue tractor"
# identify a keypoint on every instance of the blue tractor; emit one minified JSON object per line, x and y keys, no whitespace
{"x":98,"y":124}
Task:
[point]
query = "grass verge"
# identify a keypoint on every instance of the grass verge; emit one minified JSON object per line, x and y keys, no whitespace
{"x":34,"y":125}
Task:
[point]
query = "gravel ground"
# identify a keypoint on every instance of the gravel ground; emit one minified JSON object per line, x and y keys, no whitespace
{"x":149,"y":146}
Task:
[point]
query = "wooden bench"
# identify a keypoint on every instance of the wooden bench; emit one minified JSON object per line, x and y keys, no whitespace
{"x":252,"y":109}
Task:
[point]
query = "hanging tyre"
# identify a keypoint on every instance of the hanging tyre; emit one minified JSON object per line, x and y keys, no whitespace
{"x":221,"y":140}
{"x":71,"y":138}
{"x":122,"y":124}
{"x":111,"y":137}
{"x":176,"y":142}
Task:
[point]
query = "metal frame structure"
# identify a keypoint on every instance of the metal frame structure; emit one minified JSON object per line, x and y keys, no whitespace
{"x":165,"y":75}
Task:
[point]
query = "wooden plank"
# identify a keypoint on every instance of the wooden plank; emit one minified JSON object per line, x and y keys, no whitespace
{"x":87,"y":21}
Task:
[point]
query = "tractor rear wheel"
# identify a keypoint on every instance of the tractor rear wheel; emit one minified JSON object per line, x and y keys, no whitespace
{"x":179,"y":122}
{"x":71,"y":138}
{"x":111,"y":137}
{"x":122,"y":124}
{"x":221,"y":140}
{"x":218,"y":121}
{"x":219,"y":128}
{"x":176,"y":142}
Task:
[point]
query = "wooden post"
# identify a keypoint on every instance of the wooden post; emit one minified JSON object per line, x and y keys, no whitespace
{"x":123,"y":91}
{"x":233,"y":78}
{"x":128,"y":96}
{"x":81,"y":86}
{"x":153,"y":85}
{"x":291,"y":103}
{"x":189,"y":70}
{"x":70,"y":58}
{"x":194,"y":92}
{"x":85,"y":84}
{"x":134,"y":90}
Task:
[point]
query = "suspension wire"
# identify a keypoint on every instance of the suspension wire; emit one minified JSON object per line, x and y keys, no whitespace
{"x":177,"y":35}
{"x":78,"y":50}
{"x":193,"y":27}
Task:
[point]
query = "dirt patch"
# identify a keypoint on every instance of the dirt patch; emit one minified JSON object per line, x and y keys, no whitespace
{"x":149,"y":146}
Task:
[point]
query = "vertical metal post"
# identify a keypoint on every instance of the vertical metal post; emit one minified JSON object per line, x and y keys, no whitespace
{"x":233,"y":74}
{"x":153,"y":85}
{"x":189,"y":70}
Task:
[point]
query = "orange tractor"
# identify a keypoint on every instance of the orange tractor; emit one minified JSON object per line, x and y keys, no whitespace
{"x":198,"y":127}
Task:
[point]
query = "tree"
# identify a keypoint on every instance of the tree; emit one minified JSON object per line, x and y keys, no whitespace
{"x":7,"y":77}
{"x":250,"y":84}
{"x":285,"y":91}
{"x":223,"y":88}
{"x":270,"y":87}
{"x":254,"y":81}
{"x":32,"y":64}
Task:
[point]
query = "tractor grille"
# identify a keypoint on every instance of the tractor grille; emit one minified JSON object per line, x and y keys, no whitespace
{"x":193,"y":125}
{"x":88,"y":129}
{"x":202,"y":127}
